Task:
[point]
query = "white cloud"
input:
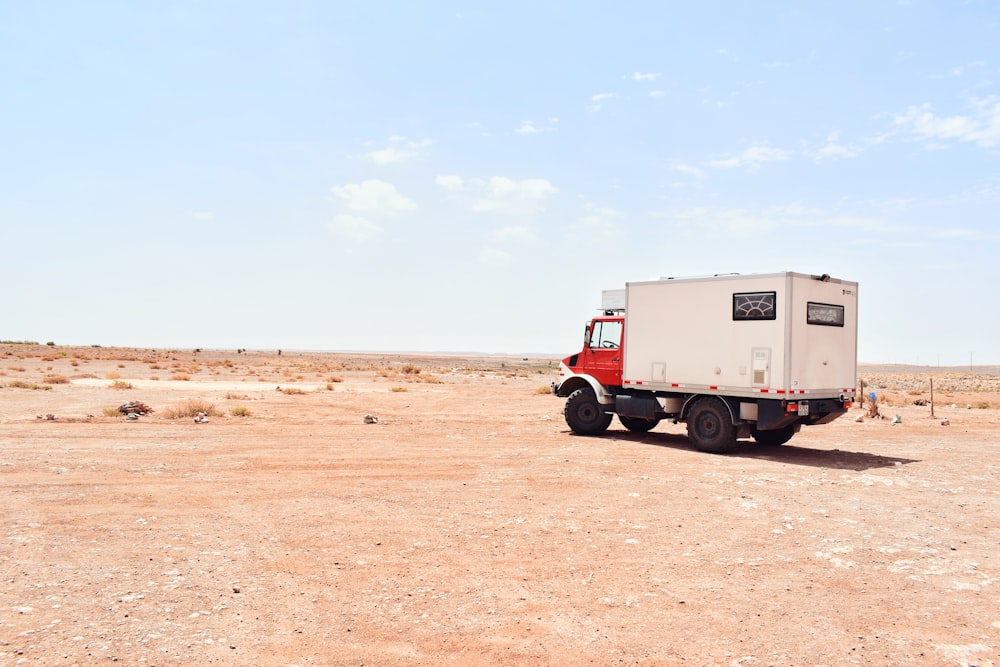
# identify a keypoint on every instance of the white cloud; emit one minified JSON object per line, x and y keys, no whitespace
{"x":494,"y":257}
{"x":450,"y":182}
{"x":399,"y":149}
{"x":516,"y":233}
{"x":505,"y":194}
{"x":752,"y":158}
{"x":598,"y":99}
{"x":529,"y":127}
{"x":834,"y":150}
{"x":980,"y":127}
{"x":599,"y":221}
{"x":688,"y":169}
{"x":373,"y":195}
{"x":657,"y":93}
{"x":354,"y":227}
{"x":640,"y":76}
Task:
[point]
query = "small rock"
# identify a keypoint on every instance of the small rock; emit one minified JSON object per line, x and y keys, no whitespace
{"x":371,"y":419}
{"x":945,"y":422}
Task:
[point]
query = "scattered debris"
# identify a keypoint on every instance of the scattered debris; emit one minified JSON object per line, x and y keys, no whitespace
{"x":201,"y":418}
{"x":371,"y":419}
{"x":898,"y":419}
{"x":873,"y":412}
{"x":132,"y":416}
{"x":921,"y":401}
{"x":945,"y":422}
{"x":134,"y":408}
{"x":859,"y":418}
{"x":48,"y":417}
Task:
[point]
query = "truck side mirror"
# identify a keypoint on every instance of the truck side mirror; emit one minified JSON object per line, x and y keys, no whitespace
{"x":586,"y":336}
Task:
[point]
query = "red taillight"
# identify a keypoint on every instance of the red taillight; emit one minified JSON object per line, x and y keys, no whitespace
{"x":848,"y":404}
{"x":792,"y":407}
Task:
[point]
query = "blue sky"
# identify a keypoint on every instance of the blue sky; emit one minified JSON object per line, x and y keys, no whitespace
{"x":469,"y":176}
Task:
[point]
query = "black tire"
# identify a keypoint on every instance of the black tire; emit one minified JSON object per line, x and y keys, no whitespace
{"x":584,"y":414}
{"x":710,"y":427}
{"x":638,"y":424}
{"x":774,"y":437}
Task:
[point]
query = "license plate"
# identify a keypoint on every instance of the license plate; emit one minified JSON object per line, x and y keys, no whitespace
{"x":803,"y":408}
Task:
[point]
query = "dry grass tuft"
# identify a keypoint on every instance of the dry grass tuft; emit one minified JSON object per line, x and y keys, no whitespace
{"x":239,"y":411}
{"x":398,"y":389}
{"x":293,"y":391}
{"x":544,"y":389}
{"x":191,"y":408}
{"x":55,"y":379}
{"x":120,"y":384}
{"x":184,"y":377}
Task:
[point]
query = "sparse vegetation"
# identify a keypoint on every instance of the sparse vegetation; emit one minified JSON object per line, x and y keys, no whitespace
{"x":184,"y":377}
{"x":239,"y":411}
{"x":19,"y":384}
{"x":120,"y":384}
{"x":292,"y":391}
{"x":110,"y":412}
{"x":55,"y":379}
{"x":191,"y":408}
{"x":398,"y":389}
{"x":410,"y":369}
{"x":544,"y":389}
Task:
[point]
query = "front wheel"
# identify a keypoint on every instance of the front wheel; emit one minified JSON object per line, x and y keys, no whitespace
{"x":710,"y":427}
{"x":638,"y":424}
{"x":584,"y":413}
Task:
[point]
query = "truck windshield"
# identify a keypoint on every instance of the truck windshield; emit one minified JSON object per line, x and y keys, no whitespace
{"x":607,"y":334}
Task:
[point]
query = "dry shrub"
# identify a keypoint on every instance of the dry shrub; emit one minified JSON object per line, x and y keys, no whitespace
{"x":110,"y":412}
{"x":236,"y":397}
{"x":120,"y":384}
{"x":18,"y":384}
{"x":180,"y":376}
{"x":398,"y":389}
{"x":55,"y":379}
{"x":292,"y":391}
{"x":191,"y":408}
{"x":335,"y":378}
{"x":410,"y":369}
{"x":239,"y":411}
{"x":544,"y":389}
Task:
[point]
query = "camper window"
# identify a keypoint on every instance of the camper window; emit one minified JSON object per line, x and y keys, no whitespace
{"x":824,"y":314}
{"x":754,"y":306}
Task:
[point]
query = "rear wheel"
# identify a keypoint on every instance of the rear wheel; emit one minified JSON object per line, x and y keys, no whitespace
{"x":584,"y":413}
{"x":774,"y":437}
{"x":710,"y":427}
{"x":638,"y":424}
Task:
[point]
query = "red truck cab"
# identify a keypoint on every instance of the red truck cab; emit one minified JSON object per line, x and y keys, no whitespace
{"x":602,"y":353}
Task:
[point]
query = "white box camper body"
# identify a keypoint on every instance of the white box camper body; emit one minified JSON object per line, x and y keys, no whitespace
{"x":762,"y":336}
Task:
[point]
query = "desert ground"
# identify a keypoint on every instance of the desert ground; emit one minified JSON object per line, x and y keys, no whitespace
{"x":380,"y":509}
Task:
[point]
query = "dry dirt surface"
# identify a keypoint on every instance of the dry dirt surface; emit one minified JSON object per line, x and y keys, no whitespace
{"x":466,"y":525}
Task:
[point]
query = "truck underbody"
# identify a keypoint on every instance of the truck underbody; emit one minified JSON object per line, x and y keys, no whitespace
{"x":715,"y":423}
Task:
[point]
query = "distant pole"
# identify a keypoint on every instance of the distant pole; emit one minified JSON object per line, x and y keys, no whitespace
{"x":932,"y":397}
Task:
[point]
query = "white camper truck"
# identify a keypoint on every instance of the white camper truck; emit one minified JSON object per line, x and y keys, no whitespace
{"x":734,"y":356}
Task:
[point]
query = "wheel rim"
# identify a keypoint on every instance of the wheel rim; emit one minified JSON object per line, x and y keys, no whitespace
{"x":708,"y":426}
{"x":587,"y":413}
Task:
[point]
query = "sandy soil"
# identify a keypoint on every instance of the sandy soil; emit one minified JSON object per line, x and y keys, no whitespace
{"x":468,"y":526}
